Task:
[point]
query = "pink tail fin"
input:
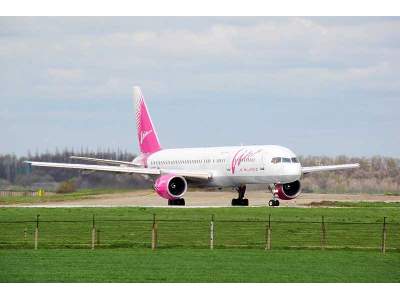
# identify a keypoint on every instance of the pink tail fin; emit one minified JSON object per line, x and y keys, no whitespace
{"x":147,"y":136}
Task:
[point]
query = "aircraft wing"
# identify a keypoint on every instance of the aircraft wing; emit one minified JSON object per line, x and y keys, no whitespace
{"x":307,"y":170}
{"x":123,"y":169}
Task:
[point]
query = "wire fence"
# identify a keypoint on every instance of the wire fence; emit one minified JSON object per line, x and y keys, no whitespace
{"x":13,"y":193}
{"x":195,"y":233}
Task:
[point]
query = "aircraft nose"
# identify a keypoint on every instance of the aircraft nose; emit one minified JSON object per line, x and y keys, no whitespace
{"x":293,"y":171}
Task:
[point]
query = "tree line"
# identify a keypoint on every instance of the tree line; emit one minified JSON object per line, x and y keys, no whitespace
{"x":15,"y":174}
{"x":376,"y":174}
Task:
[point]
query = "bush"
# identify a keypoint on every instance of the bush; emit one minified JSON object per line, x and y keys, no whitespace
{"x":65,"y":187}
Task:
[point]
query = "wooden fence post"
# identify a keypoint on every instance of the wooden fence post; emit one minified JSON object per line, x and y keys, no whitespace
{"x":25,"y":233}
{"x":37,"y":232}
{"x":383,"y":249}
{"x":93,"y":233}
{"x":154,"y":234}
{"x":98,"y":237}
{"x":268,"y":234}
{"x":323,"y":234}
{"x":212,"y":232}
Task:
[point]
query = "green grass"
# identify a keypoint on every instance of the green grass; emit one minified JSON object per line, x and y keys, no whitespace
{"x":178,"y":265}
{"x":123,"y":254}
{"x":189,"y":227}
{"x":78,"y":195}
{"x":355,"y":204}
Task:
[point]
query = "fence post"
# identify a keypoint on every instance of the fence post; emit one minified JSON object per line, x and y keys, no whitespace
{"x":37,"y":232}
{"x":93,"y":233}
{"x":98,"y":237}
{"x":323,"y":234}
{"x":154,"y":234}
{"x":212,"y":232}
{"x":268,"y":231}
{"x":25,"y":233}
{"x":383,"y":249}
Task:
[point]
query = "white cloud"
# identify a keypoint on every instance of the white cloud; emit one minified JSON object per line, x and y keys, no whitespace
{"x":294,"y":49}
{"x":64,"y":74}
{"x":67,"y":61}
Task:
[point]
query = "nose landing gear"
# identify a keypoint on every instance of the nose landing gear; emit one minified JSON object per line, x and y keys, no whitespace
{"x":240,"y":200}
{"x":273,"y":201}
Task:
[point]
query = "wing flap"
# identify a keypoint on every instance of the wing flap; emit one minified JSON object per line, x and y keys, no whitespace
{"x":307,"y":170}
{"x":107,"y":161}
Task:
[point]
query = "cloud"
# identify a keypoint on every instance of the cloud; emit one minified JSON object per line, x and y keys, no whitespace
{"x":267,"y":47}
{"x":190,"y":61}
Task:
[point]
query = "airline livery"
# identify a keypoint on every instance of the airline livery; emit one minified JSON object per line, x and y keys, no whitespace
{"x":173,"y":170}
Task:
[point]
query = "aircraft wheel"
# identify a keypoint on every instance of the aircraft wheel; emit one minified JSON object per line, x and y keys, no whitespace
{"x":175,"y":202}
{"x":273,"y":202}
{"x":240,"y":202}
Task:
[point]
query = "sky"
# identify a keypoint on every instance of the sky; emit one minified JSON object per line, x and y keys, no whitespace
{"x":320,"y":86}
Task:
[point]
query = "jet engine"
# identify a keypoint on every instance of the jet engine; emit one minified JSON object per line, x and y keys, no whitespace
{"x":170,"y":186}
{"x":288,"y":191}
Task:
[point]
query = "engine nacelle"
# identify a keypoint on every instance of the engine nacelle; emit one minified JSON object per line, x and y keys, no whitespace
{"x":288,"y":191}
{"x":170,"y":186}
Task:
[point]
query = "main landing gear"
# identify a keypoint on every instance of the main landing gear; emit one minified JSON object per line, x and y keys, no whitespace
{"x":240,"y":200}
{"x":176,"y":202}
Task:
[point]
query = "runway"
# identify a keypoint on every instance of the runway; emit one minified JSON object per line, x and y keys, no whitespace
{"x":204,"y":199}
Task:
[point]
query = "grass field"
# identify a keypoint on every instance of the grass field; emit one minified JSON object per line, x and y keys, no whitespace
{"x":351,"y":228}
{"x":78,"y":195}
{"x":182,"y":265}
{"x":123,"y":253}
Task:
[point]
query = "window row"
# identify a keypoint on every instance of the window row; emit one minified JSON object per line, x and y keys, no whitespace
{"x":186,"y":162}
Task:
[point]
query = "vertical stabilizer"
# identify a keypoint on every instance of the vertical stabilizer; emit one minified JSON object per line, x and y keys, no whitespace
{"x":147,"y":136}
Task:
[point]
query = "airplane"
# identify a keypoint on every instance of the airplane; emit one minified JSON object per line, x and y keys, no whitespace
{"x":172,"y":170}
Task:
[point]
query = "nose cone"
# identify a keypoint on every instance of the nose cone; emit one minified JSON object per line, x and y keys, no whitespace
{"x":292,"y":172}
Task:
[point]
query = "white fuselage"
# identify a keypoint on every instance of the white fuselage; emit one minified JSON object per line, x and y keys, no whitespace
{"x":230,"y":166}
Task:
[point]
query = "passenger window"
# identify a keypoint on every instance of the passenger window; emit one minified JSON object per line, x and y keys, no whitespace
{"x":276,"y":160}
{"x":286,"y":160}
{"x":295,"y":160}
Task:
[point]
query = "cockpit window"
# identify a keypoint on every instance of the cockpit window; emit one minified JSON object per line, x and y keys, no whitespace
{"x":276,"y":160}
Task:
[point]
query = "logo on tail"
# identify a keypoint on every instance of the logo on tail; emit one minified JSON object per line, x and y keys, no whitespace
{"x":147,"y":136}
{"x":143,"y":135}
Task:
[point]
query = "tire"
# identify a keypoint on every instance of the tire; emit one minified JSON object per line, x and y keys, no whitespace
{"x":271,"y":202}
{"x":244,"y":202}
{"x":240,"y":202}
{"x":175,"y":202}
